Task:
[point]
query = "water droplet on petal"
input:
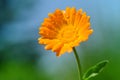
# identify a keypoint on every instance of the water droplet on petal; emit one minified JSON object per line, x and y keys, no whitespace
{"x":67,"y":16}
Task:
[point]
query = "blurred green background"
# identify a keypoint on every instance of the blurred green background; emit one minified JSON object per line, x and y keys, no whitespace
{"x":22,"y":58}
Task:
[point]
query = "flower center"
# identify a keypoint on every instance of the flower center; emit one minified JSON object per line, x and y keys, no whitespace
{"x":67,"y":33}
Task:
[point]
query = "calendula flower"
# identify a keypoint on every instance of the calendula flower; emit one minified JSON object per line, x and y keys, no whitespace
{"x":64,"y":29}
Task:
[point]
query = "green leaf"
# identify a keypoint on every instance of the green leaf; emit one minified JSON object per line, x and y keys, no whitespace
{"x":95,"y":70}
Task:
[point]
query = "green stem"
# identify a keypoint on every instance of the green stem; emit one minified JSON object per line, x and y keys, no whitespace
{"x":78,"y":63}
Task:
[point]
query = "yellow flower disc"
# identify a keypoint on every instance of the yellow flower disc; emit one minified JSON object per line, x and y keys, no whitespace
{"x":64,"y":29}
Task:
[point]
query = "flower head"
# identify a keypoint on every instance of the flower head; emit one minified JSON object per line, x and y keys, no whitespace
{"x":64,"y":29}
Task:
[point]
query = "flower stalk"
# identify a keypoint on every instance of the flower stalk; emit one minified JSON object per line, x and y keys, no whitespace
{"x":78,"y":63}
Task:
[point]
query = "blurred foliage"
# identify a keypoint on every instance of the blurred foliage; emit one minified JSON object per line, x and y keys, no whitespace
{"x":18,"y":71}
{"x":6,"y":13}
{"x":23,"y":52}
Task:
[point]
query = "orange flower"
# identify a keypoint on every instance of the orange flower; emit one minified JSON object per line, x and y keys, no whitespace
{"x":64,"y":29}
